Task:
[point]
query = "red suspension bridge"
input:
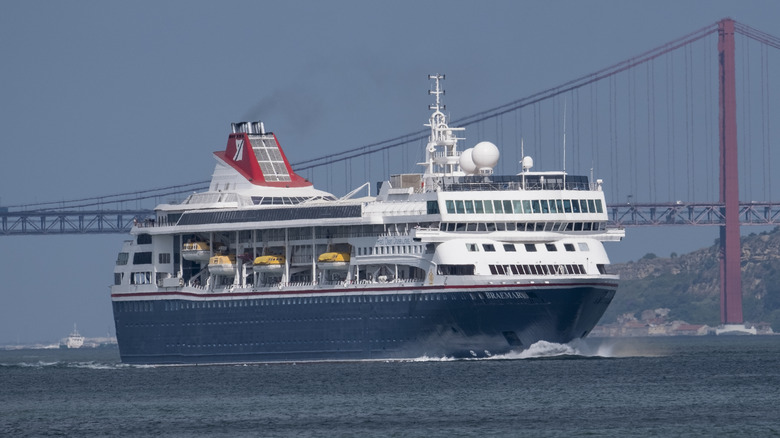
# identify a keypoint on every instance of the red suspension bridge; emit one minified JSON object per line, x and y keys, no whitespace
{"x":659,"y":128}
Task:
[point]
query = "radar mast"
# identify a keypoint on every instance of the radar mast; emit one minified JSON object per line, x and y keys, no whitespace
{"x":441,"y":153}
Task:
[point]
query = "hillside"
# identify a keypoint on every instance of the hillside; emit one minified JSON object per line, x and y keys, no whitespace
{"x":689,"y":285}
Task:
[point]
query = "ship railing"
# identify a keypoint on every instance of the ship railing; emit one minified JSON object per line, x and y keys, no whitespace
{"x":364,"y":281}
{"x":301,"y":259}
{"x":447,"y":153}
{"x":341,"y":283}
{"x":286,"y":284}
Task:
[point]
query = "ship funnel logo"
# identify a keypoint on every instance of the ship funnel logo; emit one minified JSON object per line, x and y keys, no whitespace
{"x":239,"y":150}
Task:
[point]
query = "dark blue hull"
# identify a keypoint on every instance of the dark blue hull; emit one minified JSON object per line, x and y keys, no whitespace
{"x":404,"y":324}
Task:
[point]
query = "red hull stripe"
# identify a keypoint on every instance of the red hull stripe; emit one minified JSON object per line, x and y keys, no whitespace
{"x":352,"y":291}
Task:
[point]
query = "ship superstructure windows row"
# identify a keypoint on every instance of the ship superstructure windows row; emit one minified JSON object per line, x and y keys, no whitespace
{"x":451,"y":261}
{"x":526,"y":206}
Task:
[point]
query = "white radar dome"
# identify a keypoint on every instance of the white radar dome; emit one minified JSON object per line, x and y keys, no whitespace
{"x":527,"y":163}
{"x":467,"y":162}
{"x":485,"y":155}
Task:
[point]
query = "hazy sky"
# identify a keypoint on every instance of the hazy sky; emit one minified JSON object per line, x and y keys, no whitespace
{"x":103,"y":97}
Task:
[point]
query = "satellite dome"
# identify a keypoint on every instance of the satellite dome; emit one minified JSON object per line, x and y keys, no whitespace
{"x":485,"y":155}
{"x":467,"y":162}
{"x":527,"y":162}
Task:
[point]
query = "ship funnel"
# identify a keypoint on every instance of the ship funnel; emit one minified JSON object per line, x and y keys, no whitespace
{"x":248,"y":127}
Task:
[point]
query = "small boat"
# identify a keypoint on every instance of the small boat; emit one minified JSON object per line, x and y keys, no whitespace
{"x":196,"y":251}
{"x":222,"y":265}
{"x":330,"y":260}
{"x":268,"y":263}
{"x":74,"y":340}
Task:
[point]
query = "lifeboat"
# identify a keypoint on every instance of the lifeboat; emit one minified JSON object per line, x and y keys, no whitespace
{"x":196,"y":251}
{"x":269,"y":263}
{"x":333,"y":260}
{"x":222,"y":265}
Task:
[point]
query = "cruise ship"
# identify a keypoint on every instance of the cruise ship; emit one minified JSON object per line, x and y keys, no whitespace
{"x":453,"y":261}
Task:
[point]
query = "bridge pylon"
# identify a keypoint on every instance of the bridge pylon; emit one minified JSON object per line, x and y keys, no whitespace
{"x":730,"y":249}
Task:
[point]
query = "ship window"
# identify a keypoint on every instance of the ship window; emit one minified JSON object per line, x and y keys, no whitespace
{"x":598,"y":206}
{"x":550,"y":247}
{"x":497,"y":207}
{"x":536,"y":207}
{"x":121,"y":258}
{"x":488,"y":247}
{"x":583,"y":246}
{"x":460,"y":227}
{"x":510,"y":226}
{"x":578,"y":226}
{"x":567,"y":206}
{"x":602,"y":268}
{"x":455,"y":269}
{"x":493,"y":270}
{"x":508,"y":207}
{"x":548,"y":226}
{"x":517,"y":207}
{"x":141,"y":278}
{"x":586,"y":226}
{"x":433,"y":207}
{"x":530,"y":247}
{"x":591,"y":206}
{"x":559,"y":205}
{"x":584,"y":205}
{"x":488,"y":207}
{"x":509,"y":247}
{"x":118,"y":278}
{"x":500,"y":226}
{"x":545,"y":208}
{"x":552,"y":206}
{"x":569,"y":247}
{"x":478,"y":207}
{"x":164,"y":257}
{"x":575,"y":206}
{"x":469,"y":207}
{"x":144,"y":239}
{"x":500,"y":269}
{"x":515,"y":270}
{"x":481,"y":227}
{"x":491,"y":226}
{"x":520,"y":226}
{"x":450,"y":206}
{"x":471,"y":227}
{"x":459,"y":208}
{"x":142,"y":258}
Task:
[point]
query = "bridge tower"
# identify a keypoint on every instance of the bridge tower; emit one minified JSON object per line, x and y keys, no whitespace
{"x":730,"y":250}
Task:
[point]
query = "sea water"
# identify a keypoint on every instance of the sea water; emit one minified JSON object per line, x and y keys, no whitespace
{"x":682,"y":386}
